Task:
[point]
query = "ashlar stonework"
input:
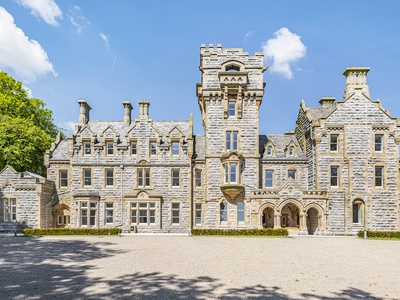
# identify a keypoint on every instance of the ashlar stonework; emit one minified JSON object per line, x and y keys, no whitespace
{"x":336,"y":172}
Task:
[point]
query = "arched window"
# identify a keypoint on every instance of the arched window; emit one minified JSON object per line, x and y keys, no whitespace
{"x":358,"y":211}
{"x":240,"y":212}
{"x":223,"y":211}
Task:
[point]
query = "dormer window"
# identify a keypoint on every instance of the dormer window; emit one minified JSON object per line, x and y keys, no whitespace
{"x":110,"y":148}
{"x":269,"y":150}
{"x":87,"y":148}
{"x":291,"y":151}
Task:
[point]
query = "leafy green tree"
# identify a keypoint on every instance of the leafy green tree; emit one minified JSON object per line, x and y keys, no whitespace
{"x":26,"y":128}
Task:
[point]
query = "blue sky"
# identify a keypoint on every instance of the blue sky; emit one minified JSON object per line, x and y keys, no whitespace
{"x":107,"y":52}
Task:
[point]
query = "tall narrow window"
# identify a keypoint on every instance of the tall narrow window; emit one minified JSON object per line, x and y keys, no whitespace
{"x":175,"y":213}
{"x":143,"y":177}
{"x":87,"y":148}
{"x":109,"y":213}
{"x":93,"y":213}
{"x":378,"y":142}
{"x":143,"y":213}
{"x":175,"y":177}
{"x":379,"y":176}
{"x":231,"y":140}
{"x":232,"y":107}
{"x":223,"y":211}
{"x":87,"y":177}
{"x":175,"y":148}
{"x":356,"y":213}
{"x":133,"y":148}
{"x":134,"y":213}
{"x":198,"y":213}
{"x":8,"y":210}
{"x":334,"y":176}
{"x":269,"y":178}
{"x":233,"y":173}
{"x":240,"y":212}
{"x":153,"y":148}
{"x":84,"y":214}
{"x":333,"y":142}
{"x":198,"y":178}
{"x":63,"y":178}
{"x":109,"y":177}
{"x":292,"y":174}
{"x":110,"y":148}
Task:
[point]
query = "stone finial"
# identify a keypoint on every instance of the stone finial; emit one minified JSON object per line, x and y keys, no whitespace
{"x":356,"y":81}
{"x":144,"y":109}
{"x":84,"y":112}
{"x":327,"y":102}
{"x":127,"y":112}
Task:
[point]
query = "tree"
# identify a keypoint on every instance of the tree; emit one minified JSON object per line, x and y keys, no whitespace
{"x":26,"y":128}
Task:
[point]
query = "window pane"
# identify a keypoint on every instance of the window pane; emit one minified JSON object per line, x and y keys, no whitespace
{"x":140,"y":177}
{"x":153,"y":148}
{"x":240,"y":212}
{"x":133,"y":148}
{"x":269,"y":178}
{"x":87,"y":148}
{"x":84,"y":217}
{"x":378,"y":176}
{"x":232,"y":108}
{"x":223,"y":212}
{"x":228,"y":140}
{"x":175,"y":177}
{"x":378,"y":142}
{"x":109,"y":177}
{"x":198,"y":213}
{"x":143,"y":216}
{"x":147,"y":173}
{"x":292,"y":174}
{"x":235,"y":140}
{"x":333,"y":142}
{"x":356,"y":213}
{"x":110,"y":148}
{"x":233,"y":173}
{"x":87,"y":176}
{"x":334,"y":176}
{"x":198,"y":178}
{"x":175,"y":148}
{"x":109,"y":216}
{"x":63,"y":178}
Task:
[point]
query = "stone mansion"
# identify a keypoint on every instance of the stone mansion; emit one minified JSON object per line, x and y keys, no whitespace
{"x":336,"y":172}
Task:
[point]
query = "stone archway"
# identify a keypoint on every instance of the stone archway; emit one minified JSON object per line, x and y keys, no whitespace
{"x":312,"y":221}
{"x":290,"y":216}
{"x":267,"y":218}
{"x":61,"y":215}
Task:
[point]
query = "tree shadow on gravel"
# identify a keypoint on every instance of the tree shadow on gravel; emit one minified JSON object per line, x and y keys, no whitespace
{"x":35,"y":268}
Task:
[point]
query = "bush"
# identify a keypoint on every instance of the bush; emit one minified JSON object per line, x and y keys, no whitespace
{"x":380,"y":234}
{"x":72,"y":231}
{"x":233,"y":232}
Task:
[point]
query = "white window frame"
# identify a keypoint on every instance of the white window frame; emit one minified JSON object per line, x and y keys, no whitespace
{"x":63,"y":181}
{"x":108,"y":177}
{"x":240,"y":212}
{"x":87,"y":178}
{"x":378,"y":144}
{"x":133,"y":147}
{"x":334,"y":143}
{"x":175,"y":177}
{"x":143,"y":175}
{"x":271,"y":180}
{"x":87,"y":148}
{"x":379,"y":177}
{"x":153,"y":148}
{"x":333,"y":177}
{"x":198,"y":213}
{"x":198,"y":178}
{"x":109,"y":212}
{"x":175,"y":148}
{"x":232,"y":140}
{"x":175,"y":213}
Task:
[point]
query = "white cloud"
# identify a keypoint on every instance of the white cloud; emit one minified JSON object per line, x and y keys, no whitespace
{"x":68,"y":126}
{"x":248,"y":34}
{"x":77,"y":19}
{"x":24,"y":56}
{"x":48,"y":10}
{"x":285,"y":48}
{"x":104,"y":38}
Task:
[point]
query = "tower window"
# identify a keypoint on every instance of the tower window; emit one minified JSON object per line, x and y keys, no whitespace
{"x":231,"y":140}
{"x":334,"y":177}
{"x":378,"y":142}
{"x":334,"y":142}
{"x":232,"y":108}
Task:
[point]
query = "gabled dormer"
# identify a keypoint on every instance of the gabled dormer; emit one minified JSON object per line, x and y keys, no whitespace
{"x":291,"y":150}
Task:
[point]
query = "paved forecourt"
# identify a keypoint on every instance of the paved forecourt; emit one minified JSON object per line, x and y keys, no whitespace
{"x":182,"y":267}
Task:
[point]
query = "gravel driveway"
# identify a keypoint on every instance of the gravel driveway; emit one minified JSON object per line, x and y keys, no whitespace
{"x":182,"y":267}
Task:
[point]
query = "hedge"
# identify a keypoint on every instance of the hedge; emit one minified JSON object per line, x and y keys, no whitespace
{"x":380,"y":234}
{"x":72,"y":231}
{"x":254,"y":231}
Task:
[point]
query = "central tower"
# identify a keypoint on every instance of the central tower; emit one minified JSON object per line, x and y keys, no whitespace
{"x":229,"y":97}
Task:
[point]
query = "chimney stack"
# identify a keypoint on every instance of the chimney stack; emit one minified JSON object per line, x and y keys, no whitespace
{"x":356,"y":81}
{"x":327,"y":102}
{"x":127,"y":113}
{"x":144,"y":109}
{"x":84,"y":112}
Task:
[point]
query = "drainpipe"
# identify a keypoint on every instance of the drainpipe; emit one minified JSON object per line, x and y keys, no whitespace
{"x":122,"y":189}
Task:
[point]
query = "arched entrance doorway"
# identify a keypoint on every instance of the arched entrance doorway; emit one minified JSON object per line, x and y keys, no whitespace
{"x":312,"y":220}
{"x":268,"y":218}
{"x":61,"y":215}
{"x":290,"y":216}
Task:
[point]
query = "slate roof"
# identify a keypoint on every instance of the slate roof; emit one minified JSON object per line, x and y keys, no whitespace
{"x":61,"y":151}
{"x":280,"y":142}
{"x":315,"y":113}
